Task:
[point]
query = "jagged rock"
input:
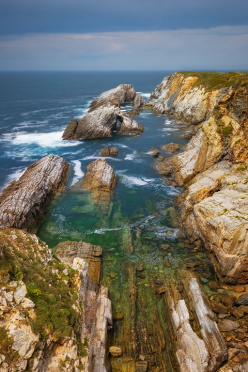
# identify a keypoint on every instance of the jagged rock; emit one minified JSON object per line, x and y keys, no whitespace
{"x":20,"y":292}
{"x":22,"y":202}
{"x":154,"y":152}
{"x":137,"y":103}
{"x":129,"y":126}
{"x":193,"y":353}
{"x":114,"y":97}
{"x":171,"y":147}
{"x":113,"y":151}
{"x":109,"y":151}
{"x":164,"y":168}
{"x":105,"y":151}
{"x":215,"y":206}
{"x":96,"y":309}
{"x":67,"y":251}
{"x":96,"y":124}
{"x":100,"y":179}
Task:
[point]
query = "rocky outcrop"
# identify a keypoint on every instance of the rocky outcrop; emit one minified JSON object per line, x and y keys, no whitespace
{"x":96,"y":124}
{"x":100,"y":179}
{"x":54,"y":315}
{"x":22,"y":202}
{"x":129,"y":126}
{"x":97,"y":318}
{"x":194,"y":335}
{"x":214,"y":163}
{"x":171,"y":147}
{"x":104,"y":115}
{"x":109,"y":151}
{"x":115,"y":97}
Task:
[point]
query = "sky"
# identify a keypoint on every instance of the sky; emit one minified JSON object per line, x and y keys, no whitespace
{"x":124,"y":35}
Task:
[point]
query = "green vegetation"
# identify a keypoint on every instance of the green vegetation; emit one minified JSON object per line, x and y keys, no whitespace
{"x":53,"y":292}
{"x":216,"y":80}
{"x":5,"y":346}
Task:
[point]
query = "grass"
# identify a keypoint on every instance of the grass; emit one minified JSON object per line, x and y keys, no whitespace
{"x":216,"y":80}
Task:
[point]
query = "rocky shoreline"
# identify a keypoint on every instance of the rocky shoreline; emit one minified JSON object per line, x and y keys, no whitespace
{"x":202,"y":333}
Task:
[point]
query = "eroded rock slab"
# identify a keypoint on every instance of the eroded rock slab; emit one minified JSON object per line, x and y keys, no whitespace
{"x":195,"y":336}
{"x":97,"y":313}
{"x":22,"y":202}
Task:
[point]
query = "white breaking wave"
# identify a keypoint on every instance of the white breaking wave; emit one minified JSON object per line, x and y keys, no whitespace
{"x":102,"y":231}
{"x":94,"y":157}
{"x":145,"y":95}
{"x":52,"y":139}
{"x":14,"y":176}
{"x":78,"y":173}
{"x":130,"y":181}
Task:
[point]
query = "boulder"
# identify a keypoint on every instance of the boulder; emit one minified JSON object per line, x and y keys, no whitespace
{"x":127,"y":125}
{"x":100,"y":179}
{"x":115,"y":351}
{"x":22,"y":202}
{"x":242,"y":300}
{"x":154,"y":152}
{"x":113,"y":151}
{"x":105,"y":151}
{"x":171,"y":147}
{"x":227,"y":325}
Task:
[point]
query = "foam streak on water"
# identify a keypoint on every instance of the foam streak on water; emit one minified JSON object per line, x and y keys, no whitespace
{"x":78,"y":173}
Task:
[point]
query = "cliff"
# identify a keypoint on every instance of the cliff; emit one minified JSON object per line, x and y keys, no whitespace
{"x":213,"y":166}
{"x":54,"y":313}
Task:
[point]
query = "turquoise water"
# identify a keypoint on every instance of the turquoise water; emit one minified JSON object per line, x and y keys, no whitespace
{"x":139,"y":225}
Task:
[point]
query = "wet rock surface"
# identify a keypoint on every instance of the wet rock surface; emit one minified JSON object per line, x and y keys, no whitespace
{"x":22,"y":202}
{"x":171,"y":147}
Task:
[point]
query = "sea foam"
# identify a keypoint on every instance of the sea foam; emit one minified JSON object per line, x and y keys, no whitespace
{"x":78,"y":173}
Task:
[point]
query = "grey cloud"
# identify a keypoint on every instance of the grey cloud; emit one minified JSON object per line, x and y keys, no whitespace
{"x":221,"y":48}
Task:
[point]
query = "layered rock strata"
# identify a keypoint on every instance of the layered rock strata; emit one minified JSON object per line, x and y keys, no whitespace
{"x":22,"y":202}
{"x":214,"y":163}
{"x":104,"y":115}
{"x":42,"y":324}
{"x":195,"y":338}
{"x":100,"y":179}
{"x":97,"y":313}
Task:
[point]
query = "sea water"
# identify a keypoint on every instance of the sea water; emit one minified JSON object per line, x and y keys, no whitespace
{"x":140,"y":223}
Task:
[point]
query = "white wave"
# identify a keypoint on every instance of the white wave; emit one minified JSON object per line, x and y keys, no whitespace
{"x":14,"y":176}
{"x":145,"y":95}
{"x":130,"y":181}
{"x":94,"y":157}
{"x":131,"y":156}
{"x":77,"y":171}
{"x":28,"y":124}
{"x":102,"y":231}
{"x":169,"y":129}
{"x":51,"y":139}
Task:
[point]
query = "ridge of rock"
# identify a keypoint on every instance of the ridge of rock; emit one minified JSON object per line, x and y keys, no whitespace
{"x":22,"y":202}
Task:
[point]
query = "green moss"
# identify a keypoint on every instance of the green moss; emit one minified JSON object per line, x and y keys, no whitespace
{"x":226,"y":131}
{"x":216,"y":80}
{"x":5,"y":347}
{"x":54,"y":299}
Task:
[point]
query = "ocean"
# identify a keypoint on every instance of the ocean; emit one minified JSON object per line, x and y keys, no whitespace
{"x":141,"y":219}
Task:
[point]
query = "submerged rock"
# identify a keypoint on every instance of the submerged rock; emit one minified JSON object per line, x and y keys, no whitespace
{"x":22,"y":202}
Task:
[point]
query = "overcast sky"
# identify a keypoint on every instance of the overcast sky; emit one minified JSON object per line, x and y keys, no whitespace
{"x":124,"y":35}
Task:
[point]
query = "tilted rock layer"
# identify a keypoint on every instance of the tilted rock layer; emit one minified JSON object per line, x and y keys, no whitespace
{"x":214,"y":163}
{"x":22,"y":202}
